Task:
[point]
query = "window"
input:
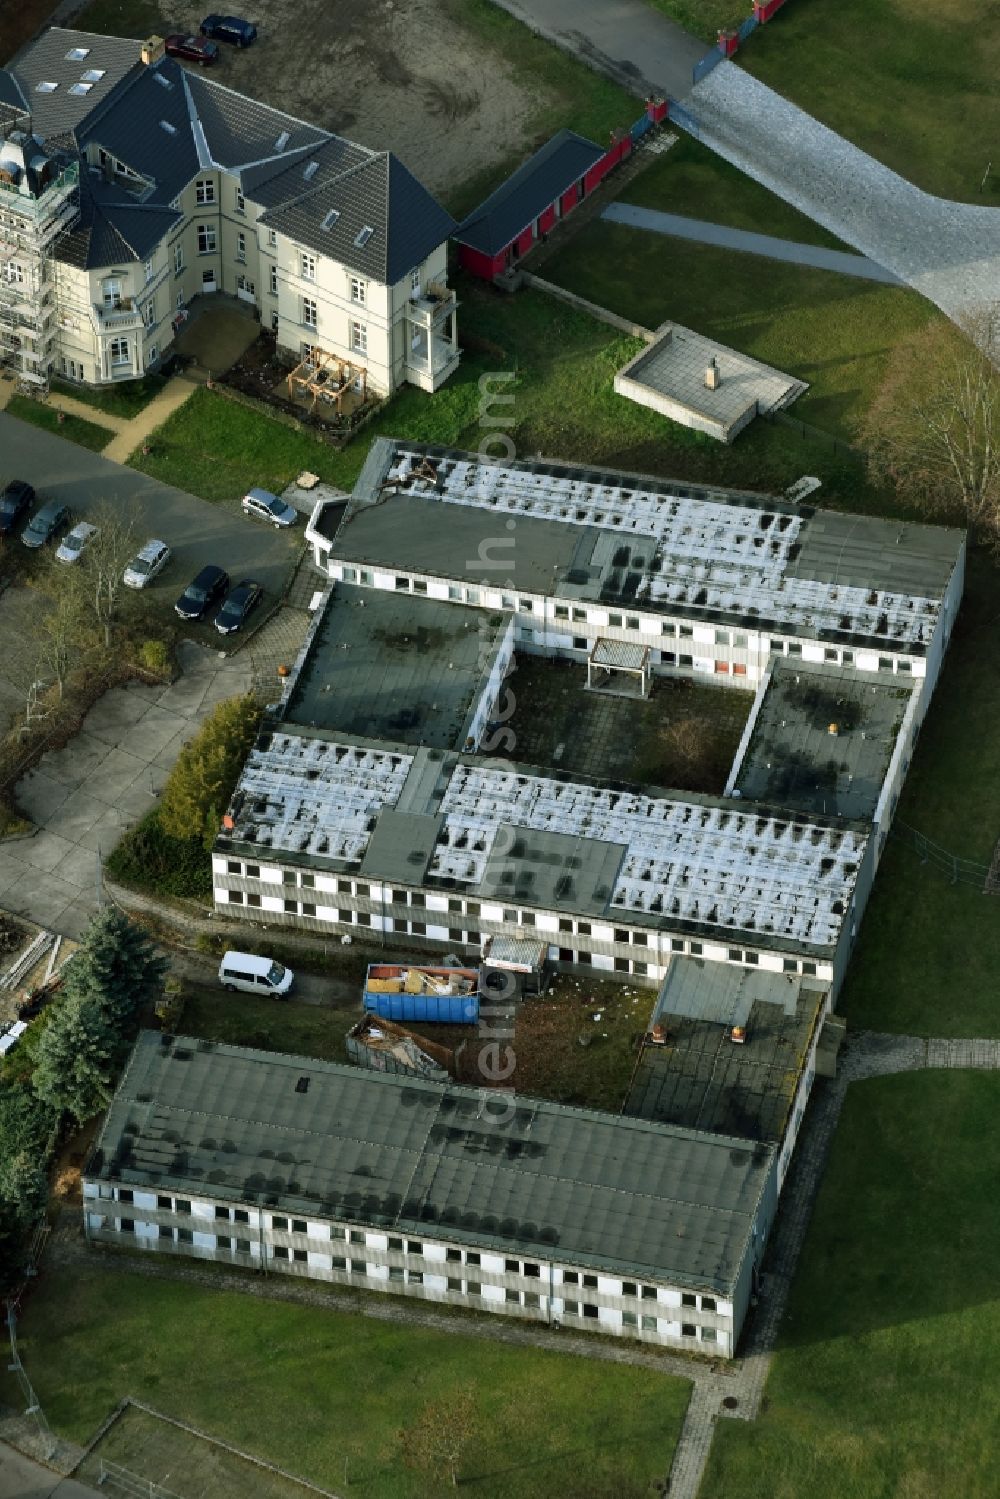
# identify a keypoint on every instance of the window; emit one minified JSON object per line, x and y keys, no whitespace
{"x":148,"y":272}
{"x":514,"y":1296}
{"x":722,"y":637}
{"x":182,"y":1206}
{"x":571,"y":1308}
{"x":525,"y":605}
{"x":794,"y":648}
{"x":631,"y":621}
{"x":204,"y":190}
{"x":15,"y":273}
{"x":648,"y":1324}
{"x":124,"y":1194}
{"x":696,"y":949}
{"x":739,"y":669}
{"x":453,"y":1254}
{"x":241,"y":202}
{"x":621,"y":935}
{"x":222,"y":1213}
{"x":338,"y":1262}
{"x":414,"y":1246}
{"x":667,"y":628}
{"x":527,"y":918}
{"x":185,"y":1236}
{"x":677,"y":944}
{"x":119,"y":352}
{"x":206,"y":239}
{"x":687,"y":1299}
{"x":359,"y":290}
{"x":395,"y":1272}
{"x":708,"y":1303}
{"x":649,"y":1293}
{"x":308,"y":908}
{"x":234,"y":866}
{"x":253,"y":900}
{"x":512,"y":1267}
{"x":358,"y":1267}
{"x":562,"y":612}
{"x":291,"y":907}
{"x":308,"y":312}
{"x":565,"y":925}
{"x":532,"y":1298}
{"x":454,"y":1283}
{"x":789,"y":965}
{"x":531,"y":1270}
{"x":580,"y":643}
{"x":472,"y":1288}
{"x":280,"y":1223}
{"x":359,"y":338}
{"x":709,"y":1335}
{"x":722,"y":668}
{"x":165,"y":1232}
{"x":583,"y":928}
{"x":688,"y":1330}
{"x":415,"y":280}
{"x":300,"y":1255}
{"x":307,"y":267}
{"x":590,"y":1281}
{"x":809,"y":970}
{"x":111,"y":291}
{"x":241,"y":1215}
{"x":415,"y":1277}
{"x":615,"y":620}
{"x":241,"y":248}
{"x":357,"y":1236}
{"x":236,"y":897}
{"x":621,"y":965}
{"x":280,"y":1253}
{"x":629,"y":1288}
{"x":272,"y":238}
{"x":395,"y":1243}
{"x":273,"y":285}
{"x":472,"y":1257}
{"x":149,"y":316}
{"x":165,"y":1202}
{"x":243,"y":1246}
{"x":224,"y":1242}
{"x":630,"y":1319}
{"x":571,"y":1278}
{"x":299,"y":1226}
{"x":735,"y":955}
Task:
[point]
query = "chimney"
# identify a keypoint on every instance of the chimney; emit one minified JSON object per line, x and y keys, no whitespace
{"x":151,"y":50}
{"x":712,"y":377}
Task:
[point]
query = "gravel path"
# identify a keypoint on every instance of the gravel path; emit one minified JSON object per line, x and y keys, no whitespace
{"x":679,"y":227}
{"x":950,"y":252}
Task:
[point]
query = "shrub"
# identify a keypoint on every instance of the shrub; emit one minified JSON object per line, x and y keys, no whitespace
{"x":151,"y":859}
{"x":155,"y":656}
{"x":202,"y":781}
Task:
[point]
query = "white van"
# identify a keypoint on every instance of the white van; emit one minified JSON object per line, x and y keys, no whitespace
{"x":254,"y":975}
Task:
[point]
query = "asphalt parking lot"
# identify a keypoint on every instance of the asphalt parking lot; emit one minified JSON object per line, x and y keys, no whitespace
{"x":195,"y":530}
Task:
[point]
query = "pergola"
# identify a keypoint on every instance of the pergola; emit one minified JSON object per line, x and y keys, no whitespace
{"x":326,"y":377}
{"x":610,"y":656}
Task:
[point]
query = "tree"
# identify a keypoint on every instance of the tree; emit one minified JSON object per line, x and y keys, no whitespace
{"x":77,"y":1059}
{"x":59,"y":633}
{"x":436,"y":1443}
{"x":117,"y":963}
{"x":933,"y":429}
{"x":198,"y":788}
{"x":96,"y":581}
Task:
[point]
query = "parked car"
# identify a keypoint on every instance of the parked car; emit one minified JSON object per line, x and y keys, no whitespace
{"x":244,"y":597}
{"x":251,"y":974}
{"x":263,"y":505}
{"x":229,"y":29}
{"x":45,"y":524}
{"x":202,"y":592}
{"x":15,"y":499}
{"x":145,"y":565}
{"x":75,"y":541}
{"x":192,"y":48}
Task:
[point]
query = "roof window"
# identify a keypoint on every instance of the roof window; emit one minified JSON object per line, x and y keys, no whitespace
{"x":81,"y":88}
{"x":93,"y":75}
{"x":282,"y":141}
{"x":330,"y":219}
{"x":46,"y":88}
{"x":163,"y":81}
{"x":166,"y":125}
{"x":363,"y":236}
{"x":77,"y":54}
{"x":311,"y":168}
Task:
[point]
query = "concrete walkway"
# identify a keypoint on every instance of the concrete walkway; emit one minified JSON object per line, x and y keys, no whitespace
{"x":126,"y":433}
{"x":815,"y":256}
{"x":950,"y":252}
{"x":22,"y":1478}
{"x":640,"y":49}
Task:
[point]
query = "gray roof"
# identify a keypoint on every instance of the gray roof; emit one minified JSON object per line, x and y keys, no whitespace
{"x":870,"y":552}
{"x":570,"y":1185}
{"x":130,"y":125}
{"x":514,"y":205}
{"x":394,"y":667}
{"x":113,"y":229}
{"x":45,"y":61}
{"x":793,"y":760}
{"x":239,"y":130}
{"x":378,"y":194}
{"x":274,"y":180}
{"x":555,"y":871}
{"x":699,"y":1078}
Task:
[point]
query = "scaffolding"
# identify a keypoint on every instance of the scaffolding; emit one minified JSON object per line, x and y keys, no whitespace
{"x":39,"y":201}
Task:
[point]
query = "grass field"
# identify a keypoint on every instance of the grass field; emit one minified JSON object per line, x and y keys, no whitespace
{"x":690,"y":179}
{"x":125,"y":401}
{"x":884,"y":1383}
{"x":834,"y":331}
{"x":705,"y":18}
{"x":913,"y":84}
{"x":309,"y":1387}
{"x":73,"y":428}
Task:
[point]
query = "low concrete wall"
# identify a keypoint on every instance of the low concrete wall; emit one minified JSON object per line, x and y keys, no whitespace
{"x":636,"y":330}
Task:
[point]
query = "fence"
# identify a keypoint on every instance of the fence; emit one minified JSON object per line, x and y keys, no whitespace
{"x":705,"y":64}
{"x":763,"y":11}
{"x":959,"y":871}
{"x":816,"y":434}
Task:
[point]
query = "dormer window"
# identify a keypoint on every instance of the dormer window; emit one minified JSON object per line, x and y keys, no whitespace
{"x":310,"y":170}
{"x":330,"y":218}
{"x":363,"y":236}
{"x":282,"y":141}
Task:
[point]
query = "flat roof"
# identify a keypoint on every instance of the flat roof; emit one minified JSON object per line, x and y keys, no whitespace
{"x":794,"y":759}
{"x":699,"y":1078}
{"x":631,"y":540}
{"x":674,"y":366}
{"x":399,"y":668}
{"x":407,"y":1155}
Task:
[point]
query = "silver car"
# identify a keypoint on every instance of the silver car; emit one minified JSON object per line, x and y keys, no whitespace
{"x":145,"y":565}
{"x":75,"y":541}
{"x":264,"y":505}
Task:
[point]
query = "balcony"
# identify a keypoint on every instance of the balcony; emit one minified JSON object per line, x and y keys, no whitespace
{"x":432,"y":307}
{"x":430,"y":363}
{"x":124,"y":317}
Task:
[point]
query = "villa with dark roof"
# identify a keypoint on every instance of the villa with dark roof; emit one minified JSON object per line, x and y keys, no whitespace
{"x":129,"y":186}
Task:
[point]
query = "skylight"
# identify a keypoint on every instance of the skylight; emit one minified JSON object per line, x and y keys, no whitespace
{"x":363,"y":236}
{"x":77,"y":54}
{"x":166,"y":125}
{"x":282,"y":141}
{"x":46,"y":88}
{"x":311,"y":168}
{"x":93,"y":75}
{"x":330,"y":219}
{"x":162,"y":81}
{"x":81,"y":88}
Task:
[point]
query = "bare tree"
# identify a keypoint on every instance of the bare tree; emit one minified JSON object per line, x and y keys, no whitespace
{"x":60,"y":637}
{"x":443,"y":1430}
{"x":99,"y":573}
{"x":933,"y":429}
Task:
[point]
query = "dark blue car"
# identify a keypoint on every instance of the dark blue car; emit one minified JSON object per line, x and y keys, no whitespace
{"x":229,"y":29}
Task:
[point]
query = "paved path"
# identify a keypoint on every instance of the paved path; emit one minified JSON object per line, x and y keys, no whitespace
{"x":950,"y":252}
{"x":641,"y":50}
{"x":22,"y":1478}
{"x":126,"y":433}
{"x":816,"y":256}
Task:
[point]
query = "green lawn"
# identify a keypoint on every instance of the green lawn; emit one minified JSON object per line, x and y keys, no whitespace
{"x":73,"y":428}
{"x":308,"y":1387}
{"x":120,"y":17}
{"x":884,"y":1383}
{"x":244,"y":1020}
{"x":834,"y":331}
{"x":706,"y":18}
{"x":912,"y":83}
{"x":690,"y":179}
{"x":124,"y":401}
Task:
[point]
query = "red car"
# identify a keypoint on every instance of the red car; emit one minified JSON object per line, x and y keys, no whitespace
{"x":192,"y":48}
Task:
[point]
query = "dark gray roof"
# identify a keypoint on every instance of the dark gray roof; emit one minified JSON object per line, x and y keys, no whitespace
{"x":570,"y":1185}
{"x":280,"y":180}
{"x":868,"y":551}
{"x":112,"y":228}
{"x":130,"y":125}
{"x":378,"y":194}
{"x":12,"y":99}
{"x":538,"y":182}
{"x":699,"y":1078}
{"x":45,"y":60}
{"x":239,"y":130}
{"x":555,"y":871}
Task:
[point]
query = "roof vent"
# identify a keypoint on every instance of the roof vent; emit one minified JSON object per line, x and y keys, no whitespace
{"x":330,"y":219}
{"x":311,"y":168}
{"x":282,"y":141}
{"x":364,"y":235}
{"x":166,"y":125}
{"x":302,"y":1086}
{"x":77,"y":54}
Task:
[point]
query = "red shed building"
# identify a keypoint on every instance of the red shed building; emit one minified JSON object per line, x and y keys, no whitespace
{"x":543,"y":190}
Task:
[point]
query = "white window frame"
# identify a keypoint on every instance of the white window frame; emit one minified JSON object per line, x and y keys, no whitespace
{"x":204,"y":190}
{"x":178,"y":257}
{"x":111,"y":293}
{"x":415,"y":279}
{"x":359,"y":291}
{"x":148,"y":272}
{"x":307,"y":266}
{"x":118,"y":353}
{"x":359,"y":338}
{"x":241,"y":248}
{"x":14,"y":273}
{"x":310,"y":313}
{"x":241,"y":202}
{"x":207,"y":239}
{"x":274,"y":281}
{"x":272,"y":237}
{"x":149,"y":313}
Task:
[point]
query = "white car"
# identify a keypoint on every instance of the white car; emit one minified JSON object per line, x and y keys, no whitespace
{"x":263,"y":505}
{"x":75,"y":541}
{"x":146,"y":564}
